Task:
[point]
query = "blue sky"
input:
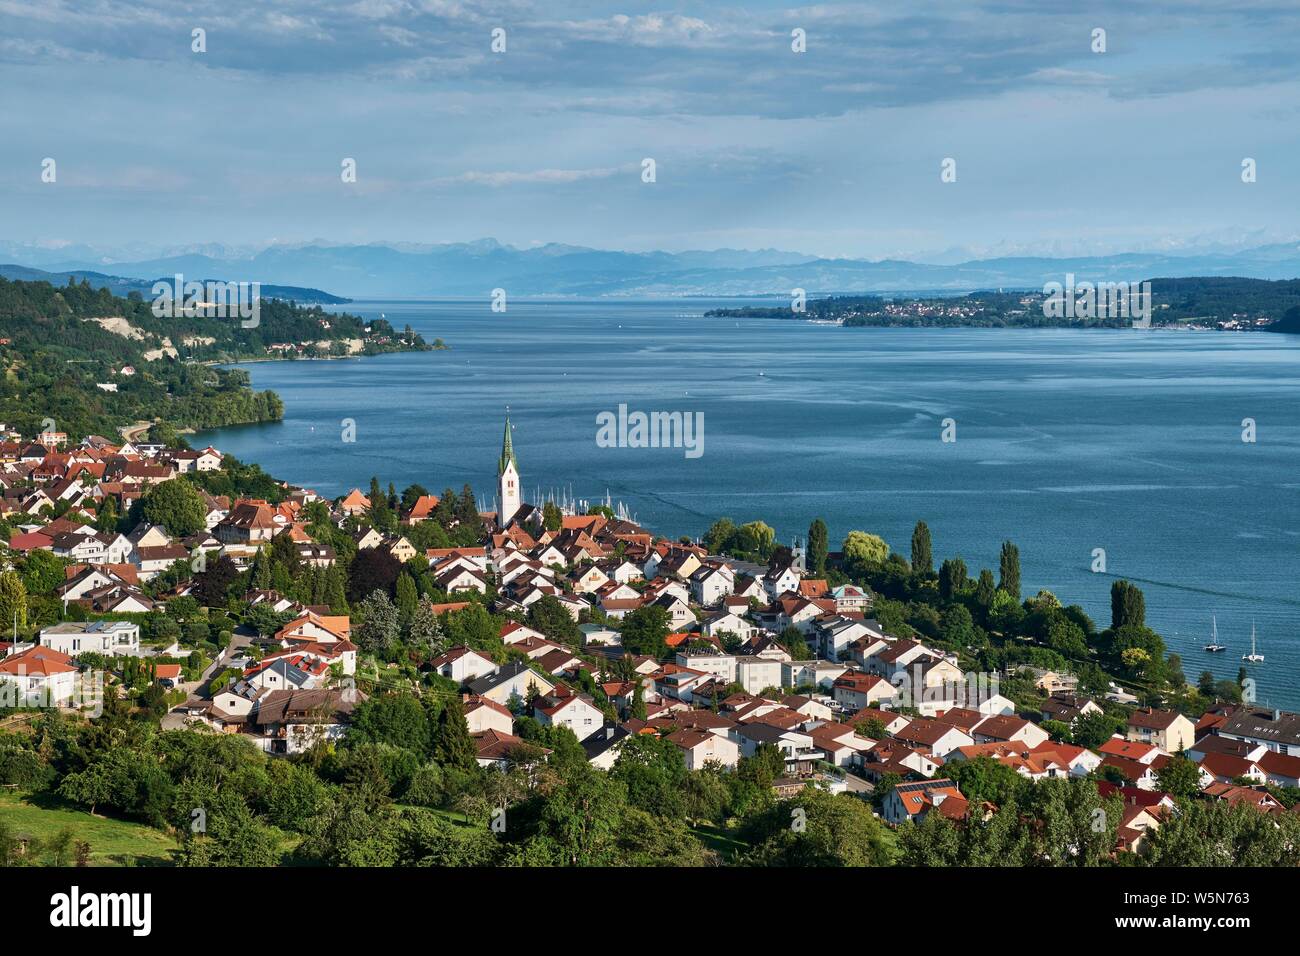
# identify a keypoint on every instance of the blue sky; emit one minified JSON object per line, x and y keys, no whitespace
{"x":835,"y":151}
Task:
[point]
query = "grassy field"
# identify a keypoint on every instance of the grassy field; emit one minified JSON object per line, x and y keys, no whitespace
{"x":112,"y":842}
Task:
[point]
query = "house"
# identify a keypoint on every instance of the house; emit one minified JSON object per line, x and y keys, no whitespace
{"x":293,"y":721}
{"x":577,"y":712}
{"x":354,"y":503}
{"x":679,"y":612}
{"x":1167,"y":729}
{"x":1119,"y":747}
{"x":814,"y":673}
{"x":1067,"y":708}
{"x":850,"y":597}
{"x":800,"y":754}
{"x":1278,"y":730}
{"x":462,"y":665}
{"x":1007,"y":727}
{"x":711,"y":662}
{"x":709,"y":585}
{"x":513,"y":681}
{"x":482,"y":714}
{"x":856,"y":690}
{"x":933,"y":736}
{"x":700,"y":748}
{"x":912,"y":801}
{"x":37,"y":677}
{"x":316,"y":628}
{"x":169,"y":675}
{"x":757,"y":674}
{"x":110,"y":638}
{"x":603,"y":747}
{"x":777,"y":581}
{"x":727,"y":623}
{"x":495,"y":749}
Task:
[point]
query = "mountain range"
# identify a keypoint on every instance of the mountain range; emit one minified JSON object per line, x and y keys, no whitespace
{"x":474,"y":269}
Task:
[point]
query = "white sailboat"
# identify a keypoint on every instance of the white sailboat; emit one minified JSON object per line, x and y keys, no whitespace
{"x":1254,"y":656}
{"x":1214,"y":646}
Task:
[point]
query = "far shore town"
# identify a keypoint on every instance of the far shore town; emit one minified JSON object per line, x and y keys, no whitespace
{"x":233,"y":603}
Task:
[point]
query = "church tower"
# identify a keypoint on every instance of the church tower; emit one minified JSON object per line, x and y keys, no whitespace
{"x":507,"y":479}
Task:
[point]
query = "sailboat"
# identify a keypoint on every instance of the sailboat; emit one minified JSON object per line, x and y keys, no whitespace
{"x":1254,"y":656}
{"x":1214,"y":646}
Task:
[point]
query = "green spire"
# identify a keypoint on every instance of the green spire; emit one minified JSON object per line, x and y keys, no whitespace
{"x":507,"y":452}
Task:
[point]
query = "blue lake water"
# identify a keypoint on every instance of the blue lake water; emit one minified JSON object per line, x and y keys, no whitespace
{"x":1067,"y":441}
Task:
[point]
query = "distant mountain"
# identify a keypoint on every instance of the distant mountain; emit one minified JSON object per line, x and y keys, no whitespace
{"x":476,"y":268}
{"x":123,"y":286}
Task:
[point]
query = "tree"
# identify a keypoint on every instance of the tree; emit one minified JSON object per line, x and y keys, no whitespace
{"x":818,"y":546}
{"x":816,"y":828}
{"x":1216,"y":833}
{"x":177,"y":506}
{"x":106,"y":518}
{"x":864,"y":550}
{"x":1179,"y":777}
{"x":719,"y":535}
{"x":452,"y":746}
{"x":755,"y":537}
{"x":407,"y":594}
{"x":645,"y":631}
{"x":952,"y":578}
{"x":553,"y":619}
{"x":638,"y":702}
{"x":985,"y":589}
{"x":922,"y":555}
{"x":1093,"y":729}
{"x":380,"y":624}
{"x":1009,"y":569}
{"x":423,"y":629}
{"x":1127,"y":606}
{"x":552,"y":519}
{"x":13,"y":601}
{"x":213,"y":585}
{"x":372,"y":569}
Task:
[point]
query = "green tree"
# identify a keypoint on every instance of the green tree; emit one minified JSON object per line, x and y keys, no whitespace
{"x":177,"y":506}
{"x":816,"y":828}
{"x":818,"y":546}
{"x":1127,"y":606}
{"x":1179,"y":777}
{"x":452,"y":746}
{"x":864,"y":550}
{"x":922,"y":553}
{"x":1009,"y":569}
{"x":645,"y":631}
{"x":552,"y":518}
{"x":13,"y":601}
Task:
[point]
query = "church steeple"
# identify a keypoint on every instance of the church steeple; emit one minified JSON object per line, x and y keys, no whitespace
{"x":507,"y":451}
{"x":508,"y":484}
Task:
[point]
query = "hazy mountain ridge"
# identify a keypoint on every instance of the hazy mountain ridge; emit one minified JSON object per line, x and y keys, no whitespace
{"x":475,"y":268}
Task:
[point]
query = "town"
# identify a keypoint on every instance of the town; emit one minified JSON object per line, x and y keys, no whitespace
{"x":470,"y":679}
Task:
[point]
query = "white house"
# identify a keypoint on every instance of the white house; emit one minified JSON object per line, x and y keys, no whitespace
{"x":37,"y":677}
{"x":756,"y":674}
{"x":700,"y":748}
{"x":578,"y":713}
{"x":111,"y":638}
{"x":463,"y":665}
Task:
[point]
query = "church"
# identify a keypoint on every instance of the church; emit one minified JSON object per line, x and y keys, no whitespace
{"x":508,"y":494}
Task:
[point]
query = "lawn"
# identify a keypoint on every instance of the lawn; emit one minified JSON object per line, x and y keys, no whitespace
{"x":112,"y":842}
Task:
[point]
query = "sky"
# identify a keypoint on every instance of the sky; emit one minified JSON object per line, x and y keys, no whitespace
{"x":835,"y":151}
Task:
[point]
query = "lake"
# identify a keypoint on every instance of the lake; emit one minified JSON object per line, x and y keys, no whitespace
{"x":1066,"y":441}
